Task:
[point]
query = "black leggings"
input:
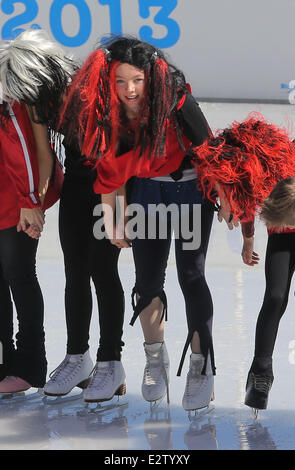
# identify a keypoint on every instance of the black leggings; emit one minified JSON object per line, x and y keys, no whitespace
{"x":150,"y":257}
{"x":18,"y":276}
{"x":88,"y":258}
{"x":279,"y":269}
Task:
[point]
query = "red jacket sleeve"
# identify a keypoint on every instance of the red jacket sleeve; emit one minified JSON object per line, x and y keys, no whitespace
{"x":248,"y":228}
{"x":20,"y":158}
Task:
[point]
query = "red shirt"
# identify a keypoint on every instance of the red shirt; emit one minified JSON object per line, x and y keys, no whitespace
{"x":113,"y":172}
{"x":19,"y":175}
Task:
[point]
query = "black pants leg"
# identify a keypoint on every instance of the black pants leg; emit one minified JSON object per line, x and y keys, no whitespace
{"x":191,"y":275}
{"x":150,"y":257}
{"x":86,"y":257}
{"x":18,"y":272}
{"x":6,"y":328}
{"x":279,"y":269}
{"x":74,"y":229}
{"x":110,"y":298}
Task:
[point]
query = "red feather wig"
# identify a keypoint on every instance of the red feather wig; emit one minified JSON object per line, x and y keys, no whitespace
{"x":245,"y":160}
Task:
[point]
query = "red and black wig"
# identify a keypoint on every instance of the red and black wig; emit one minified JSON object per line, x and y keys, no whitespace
{"x":92,"y":112}
{"x":246,"y":160}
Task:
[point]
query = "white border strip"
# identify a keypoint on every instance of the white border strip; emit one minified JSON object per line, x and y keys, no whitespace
{"x":26,"y":154}
{"x":188,"y":175}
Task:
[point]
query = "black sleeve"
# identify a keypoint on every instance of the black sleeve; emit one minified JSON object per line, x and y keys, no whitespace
{"x":193,"y":121}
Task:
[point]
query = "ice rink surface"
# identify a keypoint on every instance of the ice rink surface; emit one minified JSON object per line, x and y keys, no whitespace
{"x":237,"y":292}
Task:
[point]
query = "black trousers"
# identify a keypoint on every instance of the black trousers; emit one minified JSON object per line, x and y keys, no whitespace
{"x":150,"y":257}
{"x":279,"y":269}
{"x":18,"y":277}
{"x":87,"y":258}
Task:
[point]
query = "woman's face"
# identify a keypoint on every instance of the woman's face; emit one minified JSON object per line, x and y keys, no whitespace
{"x":130,"y":86}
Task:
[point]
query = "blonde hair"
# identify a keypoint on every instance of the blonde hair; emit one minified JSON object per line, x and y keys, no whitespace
{"x":280,"y":204}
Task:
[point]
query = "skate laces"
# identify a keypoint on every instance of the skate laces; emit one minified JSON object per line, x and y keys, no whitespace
{"x":101,"y":375}
{"x":195,"y":380}
{"x":66,"y":369}
{"x":155,"y":367}
{"x":156,"y":370}
{"x":262,"y":383}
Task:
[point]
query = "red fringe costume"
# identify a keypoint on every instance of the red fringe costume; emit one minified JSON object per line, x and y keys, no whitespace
{"x":246,"y":160}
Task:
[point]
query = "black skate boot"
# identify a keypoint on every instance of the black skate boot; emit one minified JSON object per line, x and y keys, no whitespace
{"x":259,"y":382}
{"x":257,"y":390}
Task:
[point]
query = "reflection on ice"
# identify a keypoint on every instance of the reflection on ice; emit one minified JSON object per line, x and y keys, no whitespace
{"x":25,"y":397}
{"x":201,"y":437}
{"x":158,"y":428}
{"x":256,"y":437}
{"x":122,"y":425}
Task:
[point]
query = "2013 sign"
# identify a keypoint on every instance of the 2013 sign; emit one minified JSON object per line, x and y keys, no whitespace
{"x":13,"y":26}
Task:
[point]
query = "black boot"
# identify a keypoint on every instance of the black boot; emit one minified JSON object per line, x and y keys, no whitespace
{"x":259,"y":382}
{"x":257,"y":390}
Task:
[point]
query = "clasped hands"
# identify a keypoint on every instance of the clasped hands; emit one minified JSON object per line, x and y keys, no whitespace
{"x":31,"y":222}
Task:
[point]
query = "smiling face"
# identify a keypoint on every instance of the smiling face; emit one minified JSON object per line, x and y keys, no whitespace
{"x":130,"y":87}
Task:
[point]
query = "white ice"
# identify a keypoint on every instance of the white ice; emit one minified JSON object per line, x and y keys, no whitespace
{"x":237,"y":292}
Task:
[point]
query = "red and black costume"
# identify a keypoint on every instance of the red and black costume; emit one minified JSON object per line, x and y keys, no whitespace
{"x":113,"y":169}
{"x":279,"y":271}
{"x":247,"y":160}
{"x":19,"y":179}
{"x":34,"y":74}
{"x":139,"y":153}
{"x":87,"y":258}
{"x":151,"y":256}
{"x":19,"y":175}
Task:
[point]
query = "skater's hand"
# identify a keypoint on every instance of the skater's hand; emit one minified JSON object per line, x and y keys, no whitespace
{"x":249,"y":256}
{"x":225,"y":214}
{"x":31,"y":222}
{"x":116,"y":234}
{"x":119,"y":238}
{"x":112,"y":202}
{"x":121,"y":243}
{"x":33,"y":232}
